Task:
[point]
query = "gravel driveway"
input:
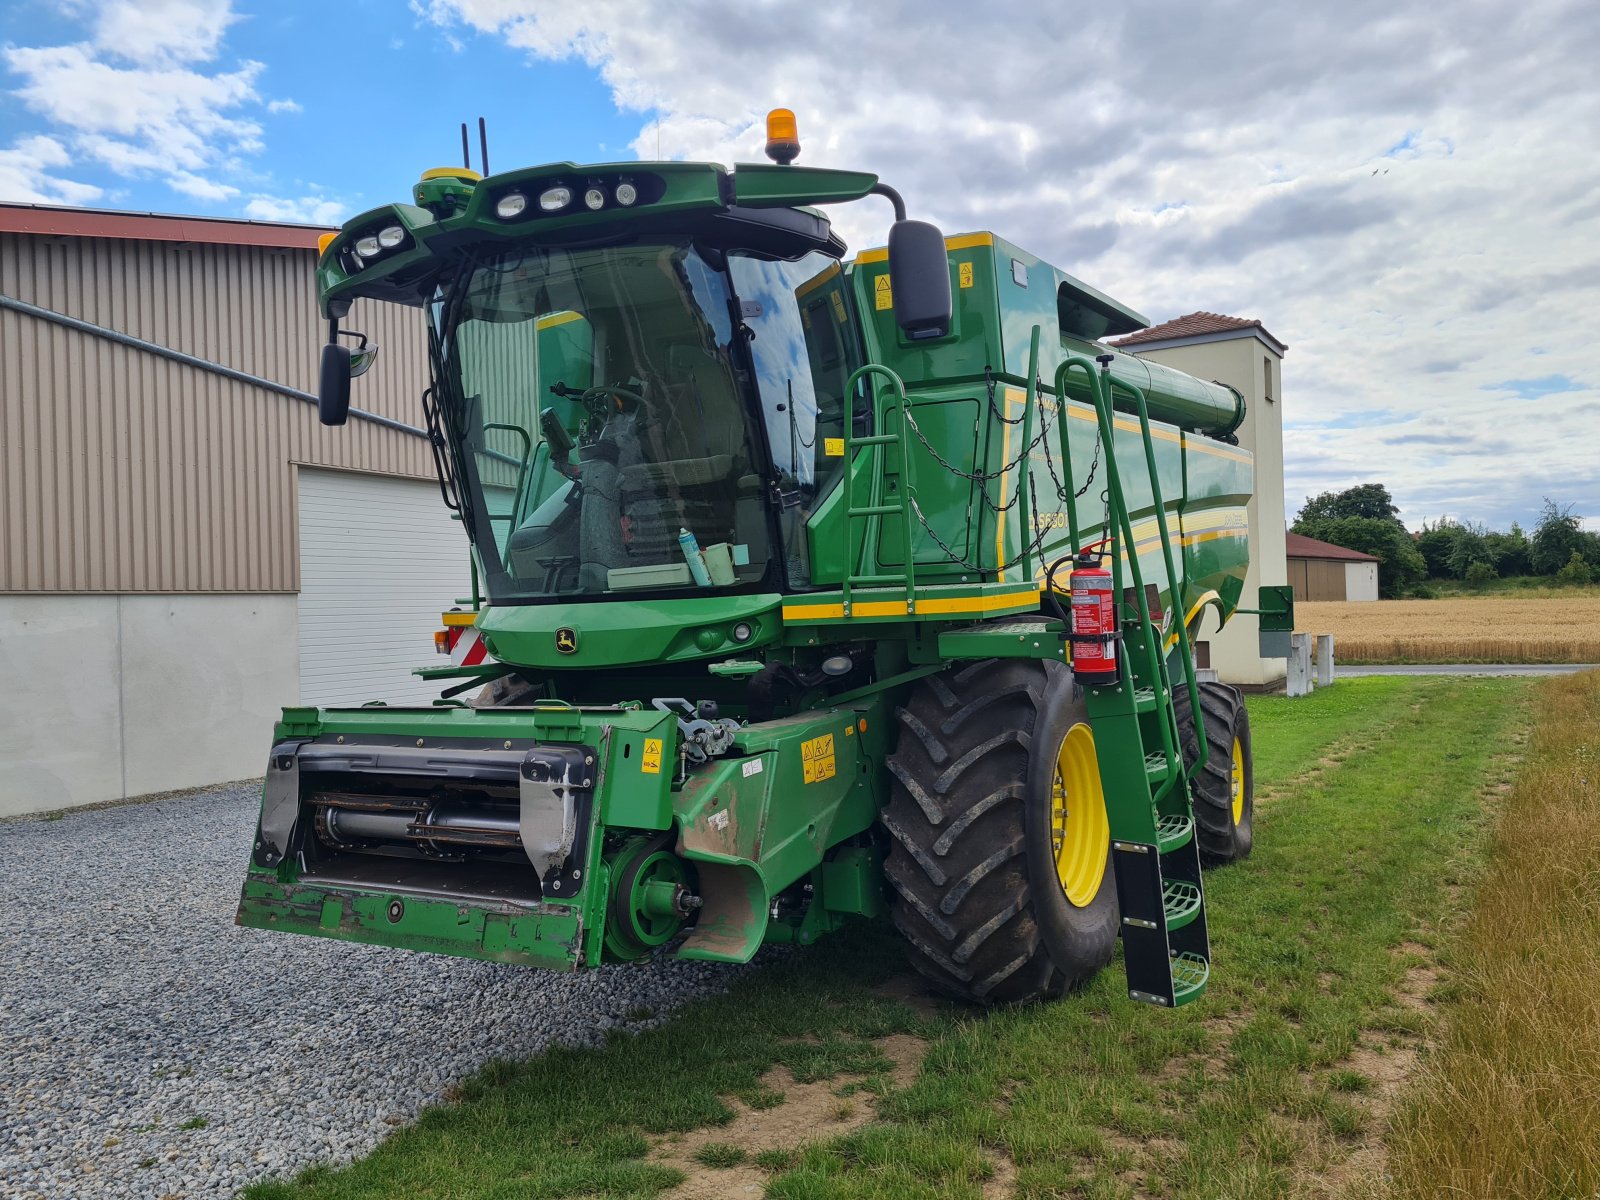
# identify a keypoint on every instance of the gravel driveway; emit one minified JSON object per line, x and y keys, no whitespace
{"x":150,"y":1048}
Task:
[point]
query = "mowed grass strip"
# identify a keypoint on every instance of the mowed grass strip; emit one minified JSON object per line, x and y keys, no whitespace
{"x":1509,"y":1106}
{"x":1246,"y":1094}
{"x":1555,"y":627}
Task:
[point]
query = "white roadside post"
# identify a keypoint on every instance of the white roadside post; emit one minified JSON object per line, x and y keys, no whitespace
{"x":1324,"y":660}
{"x":1299,"y":683}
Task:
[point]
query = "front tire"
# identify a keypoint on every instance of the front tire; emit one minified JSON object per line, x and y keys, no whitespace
{"x":1000,"y":855}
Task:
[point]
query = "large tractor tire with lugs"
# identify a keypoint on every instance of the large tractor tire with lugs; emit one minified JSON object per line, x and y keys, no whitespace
{"x":1223,"y":791}
{"x":1000,"y":849}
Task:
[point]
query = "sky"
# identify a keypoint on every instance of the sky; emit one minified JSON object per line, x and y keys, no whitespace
{"x":1407,"y":194}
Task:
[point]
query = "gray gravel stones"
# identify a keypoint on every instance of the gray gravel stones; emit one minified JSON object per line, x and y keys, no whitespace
{"x":150,"y":1048}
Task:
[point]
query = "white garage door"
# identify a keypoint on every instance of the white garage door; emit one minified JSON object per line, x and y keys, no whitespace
{"x":380,"y":559}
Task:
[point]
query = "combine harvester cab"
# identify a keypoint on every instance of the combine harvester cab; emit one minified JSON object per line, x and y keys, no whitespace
{"x":783,"y":558}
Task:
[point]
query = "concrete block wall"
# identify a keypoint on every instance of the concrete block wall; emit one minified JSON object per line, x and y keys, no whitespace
{"x":109,"y":696}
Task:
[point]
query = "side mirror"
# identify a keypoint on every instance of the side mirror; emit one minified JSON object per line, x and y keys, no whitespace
{"x":362,"y":358}
{"x":333,"y":386}
{"x":919,"y":270}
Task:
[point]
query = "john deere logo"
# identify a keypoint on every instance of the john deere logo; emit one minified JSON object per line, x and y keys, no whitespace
{"x":567,"y":640}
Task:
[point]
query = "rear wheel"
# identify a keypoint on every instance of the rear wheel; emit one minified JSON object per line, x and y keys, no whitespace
{"x":1001,"y":848}
{"x":1223,"y":790}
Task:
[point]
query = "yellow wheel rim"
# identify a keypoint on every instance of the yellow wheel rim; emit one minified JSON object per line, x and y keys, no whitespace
{"x":1238,"y":782}
{"x":1082,"y":833}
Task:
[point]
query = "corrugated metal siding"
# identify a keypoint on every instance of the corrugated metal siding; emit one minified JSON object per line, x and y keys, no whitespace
{"x":381,"y":557}
{"x":1317,"y":578}
{"x":124,"y":472}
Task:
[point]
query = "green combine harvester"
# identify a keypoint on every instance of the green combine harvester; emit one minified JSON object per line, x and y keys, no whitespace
{"x":814,"y":589}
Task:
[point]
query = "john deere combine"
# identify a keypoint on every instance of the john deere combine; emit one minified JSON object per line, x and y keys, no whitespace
{"x":782,"y":559}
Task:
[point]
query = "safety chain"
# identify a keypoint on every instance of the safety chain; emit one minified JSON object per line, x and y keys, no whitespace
{"x":985,"y":477}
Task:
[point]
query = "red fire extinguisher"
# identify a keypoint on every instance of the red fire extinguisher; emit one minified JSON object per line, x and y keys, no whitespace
{"x":1094,"y":620}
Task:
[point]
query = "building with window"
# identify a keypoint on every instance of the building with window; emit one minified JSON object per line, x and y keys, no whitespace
{"x":1237,"y":351}
{"x":185,"y":549}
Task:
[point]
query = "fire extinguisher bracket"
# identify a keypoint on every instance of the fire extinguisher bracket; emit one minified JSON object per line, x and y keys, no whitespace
{"x":1098,"y":639}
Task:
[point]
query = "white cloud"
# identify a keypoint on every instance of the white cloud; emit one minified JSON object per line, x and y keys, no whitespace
{"x":283,"y":106}
{"x":140,"y":96}
{"x":200,"y":187}
{"x":137,"y":116}
{"x":26,"y":174}
{"x":163,"y":31}
{"x":303,"y":210}
{"x":1410,"y":202}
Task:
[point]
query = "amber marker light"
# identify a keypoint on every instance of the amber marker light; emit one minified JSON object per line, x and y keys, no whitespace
{"x":324,"y":241}
{"x":783,"y":136}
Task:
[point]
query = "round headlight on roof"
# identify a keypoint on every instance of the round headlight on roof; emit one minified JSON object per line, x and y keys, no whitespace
{"x":512,"y":204}
{"x":626,"y":194}
{"x":555,"y":199}
{"x":594,"y":199}
{"x":367,"y":247}
{"x":391,"y":236}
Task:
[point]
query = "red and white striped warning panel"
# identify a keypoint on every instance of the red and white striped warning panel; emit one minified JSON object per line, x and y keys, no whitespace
{"x":460,"y":640}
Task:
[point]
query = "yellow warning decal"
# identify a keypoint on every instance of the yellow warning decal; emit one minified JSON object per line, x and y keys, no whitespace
{"x":833,"y":447}
{"x":965,"y":274}
{"x":882,"y":296}
{"x":816,"y":758}
{"x":651,"y":763}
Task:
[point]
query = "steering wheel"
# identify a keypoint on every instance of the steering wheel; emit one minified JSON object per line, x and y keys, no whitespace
{"x":589,"y":396}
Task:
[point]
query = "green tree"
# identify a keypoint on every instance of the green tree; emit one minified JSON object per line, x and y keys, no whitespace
{"x":1555,"y":539}
{"x":1479,"y":575}
{"x":1509,"y":551}
{"x":1400,"y":564}
{"x":1589,"y":544}
{"x":1575,"y":571}
{"x":1435,"y":543}
{"x":1368,"y":500}
{"x":1469,"y":547}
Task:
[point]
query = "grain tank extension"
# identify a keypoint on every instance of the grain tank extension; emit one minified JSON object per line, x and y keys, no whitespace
{"x":781,"y":558}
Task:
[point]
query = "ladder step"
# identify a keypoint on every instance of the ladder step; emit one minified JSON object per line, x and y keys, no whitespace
{"x":1144,"y":699}
{"x":1182,"y":902}
{"x":876,"y":510}
{"x":1189,"y":975}
{"x":1156,"y":765}
{"x":1173,"y":833}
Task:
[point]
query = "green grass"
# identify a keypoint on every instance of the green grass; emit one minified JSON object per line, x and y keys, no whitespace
{"x":718,"y":1154}
{"x":1508,"y":1105}
{"x":1371,"y":810}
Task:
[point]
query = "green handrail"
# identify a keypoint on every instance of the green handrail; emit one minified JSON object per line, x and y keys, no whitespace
{"x":1180,"y":625}
{"x":1168,"y":727}
{"x":875,"y":510}
{"x":1100,"y":393}
{"x":1025,"y":513}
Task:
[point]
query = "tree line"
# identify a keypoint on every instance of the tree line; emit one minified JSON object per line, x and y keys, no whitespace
{"x":1364,"y":518}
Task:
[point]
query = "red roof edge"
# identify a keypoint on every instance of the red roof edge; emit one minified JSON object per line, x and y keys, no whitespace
{"x":155,"y":227}
{"x":1297,"y":545}
{"x":1196,"y":324}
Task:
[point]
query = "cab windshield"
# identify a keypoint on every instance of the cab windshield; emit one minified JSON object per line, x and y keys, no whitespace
{"x":598,"y":404}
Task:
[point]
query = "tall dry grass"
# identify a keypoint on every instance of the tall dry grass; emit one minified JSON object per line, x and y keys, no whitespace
{"x":1509,"y":1105}
{"x":1553,"y":629}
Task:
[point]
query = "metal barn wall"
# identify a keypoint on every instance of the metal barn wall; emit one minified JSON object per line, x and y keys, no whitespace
{"x":124,"y":472}
{"x":1317,"y":578}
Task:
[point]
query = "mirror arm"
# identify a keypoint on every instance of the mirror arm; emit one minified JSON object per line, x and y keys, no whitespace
{"x":883,"y":189}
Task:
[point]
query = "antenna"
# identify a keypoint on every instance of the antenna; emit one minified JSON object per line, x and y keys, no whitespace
{"x":483,"y":146}
{"x":466,"y":155}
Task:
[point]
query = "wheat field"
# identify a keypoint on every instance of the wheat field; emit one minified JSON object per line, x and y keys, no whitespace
{"x":1554,"y":629}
